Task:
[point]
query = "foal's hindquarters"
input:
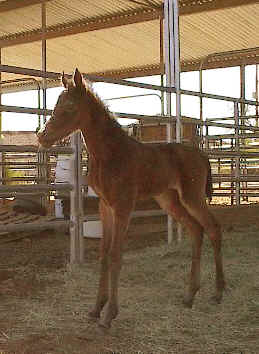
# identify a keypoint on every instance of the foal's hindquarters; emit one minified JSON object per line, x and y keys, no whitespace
{"x":195,"y":216}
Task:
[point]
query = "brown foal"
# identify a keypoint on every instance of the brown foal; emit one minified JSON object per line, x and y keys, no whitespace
{"x":123,"y":170}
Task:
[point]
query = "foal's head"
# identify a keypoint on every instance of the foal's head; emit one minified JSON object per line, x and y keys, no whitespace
{"x":65,"y":118}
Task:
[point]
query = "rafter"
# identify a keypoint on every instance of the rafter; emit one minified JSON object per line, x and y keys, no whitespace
{"x":187,"y":7}
{"x":223,"y":60}
{"x":9,"y":5}
{"x":81,"y":26}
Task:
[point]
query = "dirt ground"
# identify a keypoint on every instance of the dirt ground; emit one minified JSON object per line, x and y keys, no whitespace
{"x":44,"y":301}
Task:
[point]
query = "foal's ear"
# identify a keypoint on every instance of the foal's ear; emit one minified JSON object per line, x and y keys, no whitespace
{"x":64,"y":80}
{"x":78,"y":79}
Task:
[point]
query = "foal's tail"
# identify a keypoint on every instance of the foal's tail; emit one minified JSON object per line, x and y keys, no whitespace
{"x":209,"y":187}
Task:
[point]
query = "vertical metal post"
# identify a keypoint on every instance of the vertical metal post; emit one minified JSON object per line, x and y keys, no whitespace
{"x":256,"y":94}
{"x":167,"y":59}
{"x":162,"y":65}
{"x":0,"y":93}
{"x":176,"y":42}
{"x":237,"y":159}
{"x":243,"y":141}
{"x":177,"y":64}
{"x":1,"y":154}
{"x":201,"y":103}
{"x":76,"y":203}
{"x":242,"y":90}
{"x":169,"y":66}
{"x":43,"y":157}
{"x":232,"y":170}
{"x":207,"y":145}
{"x":172,"y":71}
{"x":44,"y":56}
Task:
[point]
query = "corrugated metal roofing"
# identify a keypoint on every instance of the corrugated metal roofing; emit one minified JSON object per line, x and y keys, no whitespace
{"x":122,"y":38}
{"x":219,"y":31}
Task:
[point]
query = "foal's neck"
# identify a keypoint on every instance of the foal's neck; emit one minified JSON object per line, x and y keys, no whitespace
{"x":103,"y":135}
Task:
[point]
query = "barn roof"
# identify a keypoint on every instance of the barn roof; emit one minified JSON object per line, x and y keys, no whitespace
{"x":122,"y":38}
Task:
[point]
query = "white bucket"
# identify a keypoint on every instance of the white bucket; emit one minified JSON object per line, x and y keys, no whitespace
{"x":63,"y":169}
{"x":63,"y":172}
{"x":93,"y":229}
{"x":59,"y":209}
{"x":91,"y":192}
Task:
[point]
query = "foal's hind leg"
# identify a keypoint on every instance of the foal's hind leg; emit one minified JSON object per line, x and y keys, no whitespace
{"x":169,"y":201}
{"x":198,"y":208}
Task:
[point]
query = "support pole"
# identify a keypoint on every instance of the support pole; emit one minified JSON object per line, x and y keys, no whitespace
{"x":76,"y":204}
{"x":43,"y":156}
{"x":201,"y":102}
{"x":177,"y":71}
{"x":172,"y":71}
{"x":237,"y":148}
{"x":1,"y":154}
{"x":44,"y":56}
{"x":168,"y":68}
{"x":162,"y":93}
{"x":256,"y":95}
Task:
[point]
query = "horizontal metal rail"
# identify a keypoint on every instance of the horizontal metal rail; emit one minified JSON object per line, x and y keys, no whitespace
{"x":93,"y":78}
{"x":232,"y":136}
{"x":141,"y":117}
{"x":36,"y":149}
{"x":134,"y":214}
{"x":22,"y":179}
{"x":218,"y":97}
{"x":229,"y":125}
{"x":28,"y":110}
{"x":36,"y":226}
{"x":223,"y":154}
{"x":23,"y":164}
{"x":150,"y":118}
{"x":244,"y":178}
{"x":229,"y":188}
{"x":34,"y":187}
{"x":252,"y":195}
{"x":22,"y":195}
{"x":54,"y":75}
{"x":233,"y":118}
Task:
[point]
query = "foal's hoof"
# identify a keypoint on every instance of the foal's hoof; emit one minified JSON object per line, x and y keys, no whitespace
{"x":104,"y":326}
{"x":188,"y":303}
{"x":217,"y":299}
{"x":93,"y":315}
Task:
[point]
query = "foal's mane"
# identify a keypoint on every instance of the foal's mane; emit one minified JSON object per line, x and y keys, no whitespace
{"x":97,"y":102}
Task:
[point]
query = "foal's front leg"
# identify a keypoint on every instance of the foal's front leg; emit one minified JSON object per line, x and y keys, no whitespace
{"x":102,"y":295}
{"x":120,"y":226}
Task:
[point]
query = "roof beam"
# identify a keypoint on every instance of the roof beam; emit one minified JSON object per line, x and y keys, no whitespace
{"x":9,"y":5}
{"x":187,"y":7}
{"x":223,"y":60}
{"x":82,"y":26}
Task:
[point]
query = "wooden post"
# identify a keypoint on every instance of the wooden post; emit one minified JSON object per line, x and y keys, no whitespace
{"x":76,"y":204}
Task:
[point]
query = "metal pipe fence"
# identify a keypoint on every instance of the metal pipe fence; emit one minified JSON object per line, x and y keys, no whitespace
{"x":236,"y":154}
